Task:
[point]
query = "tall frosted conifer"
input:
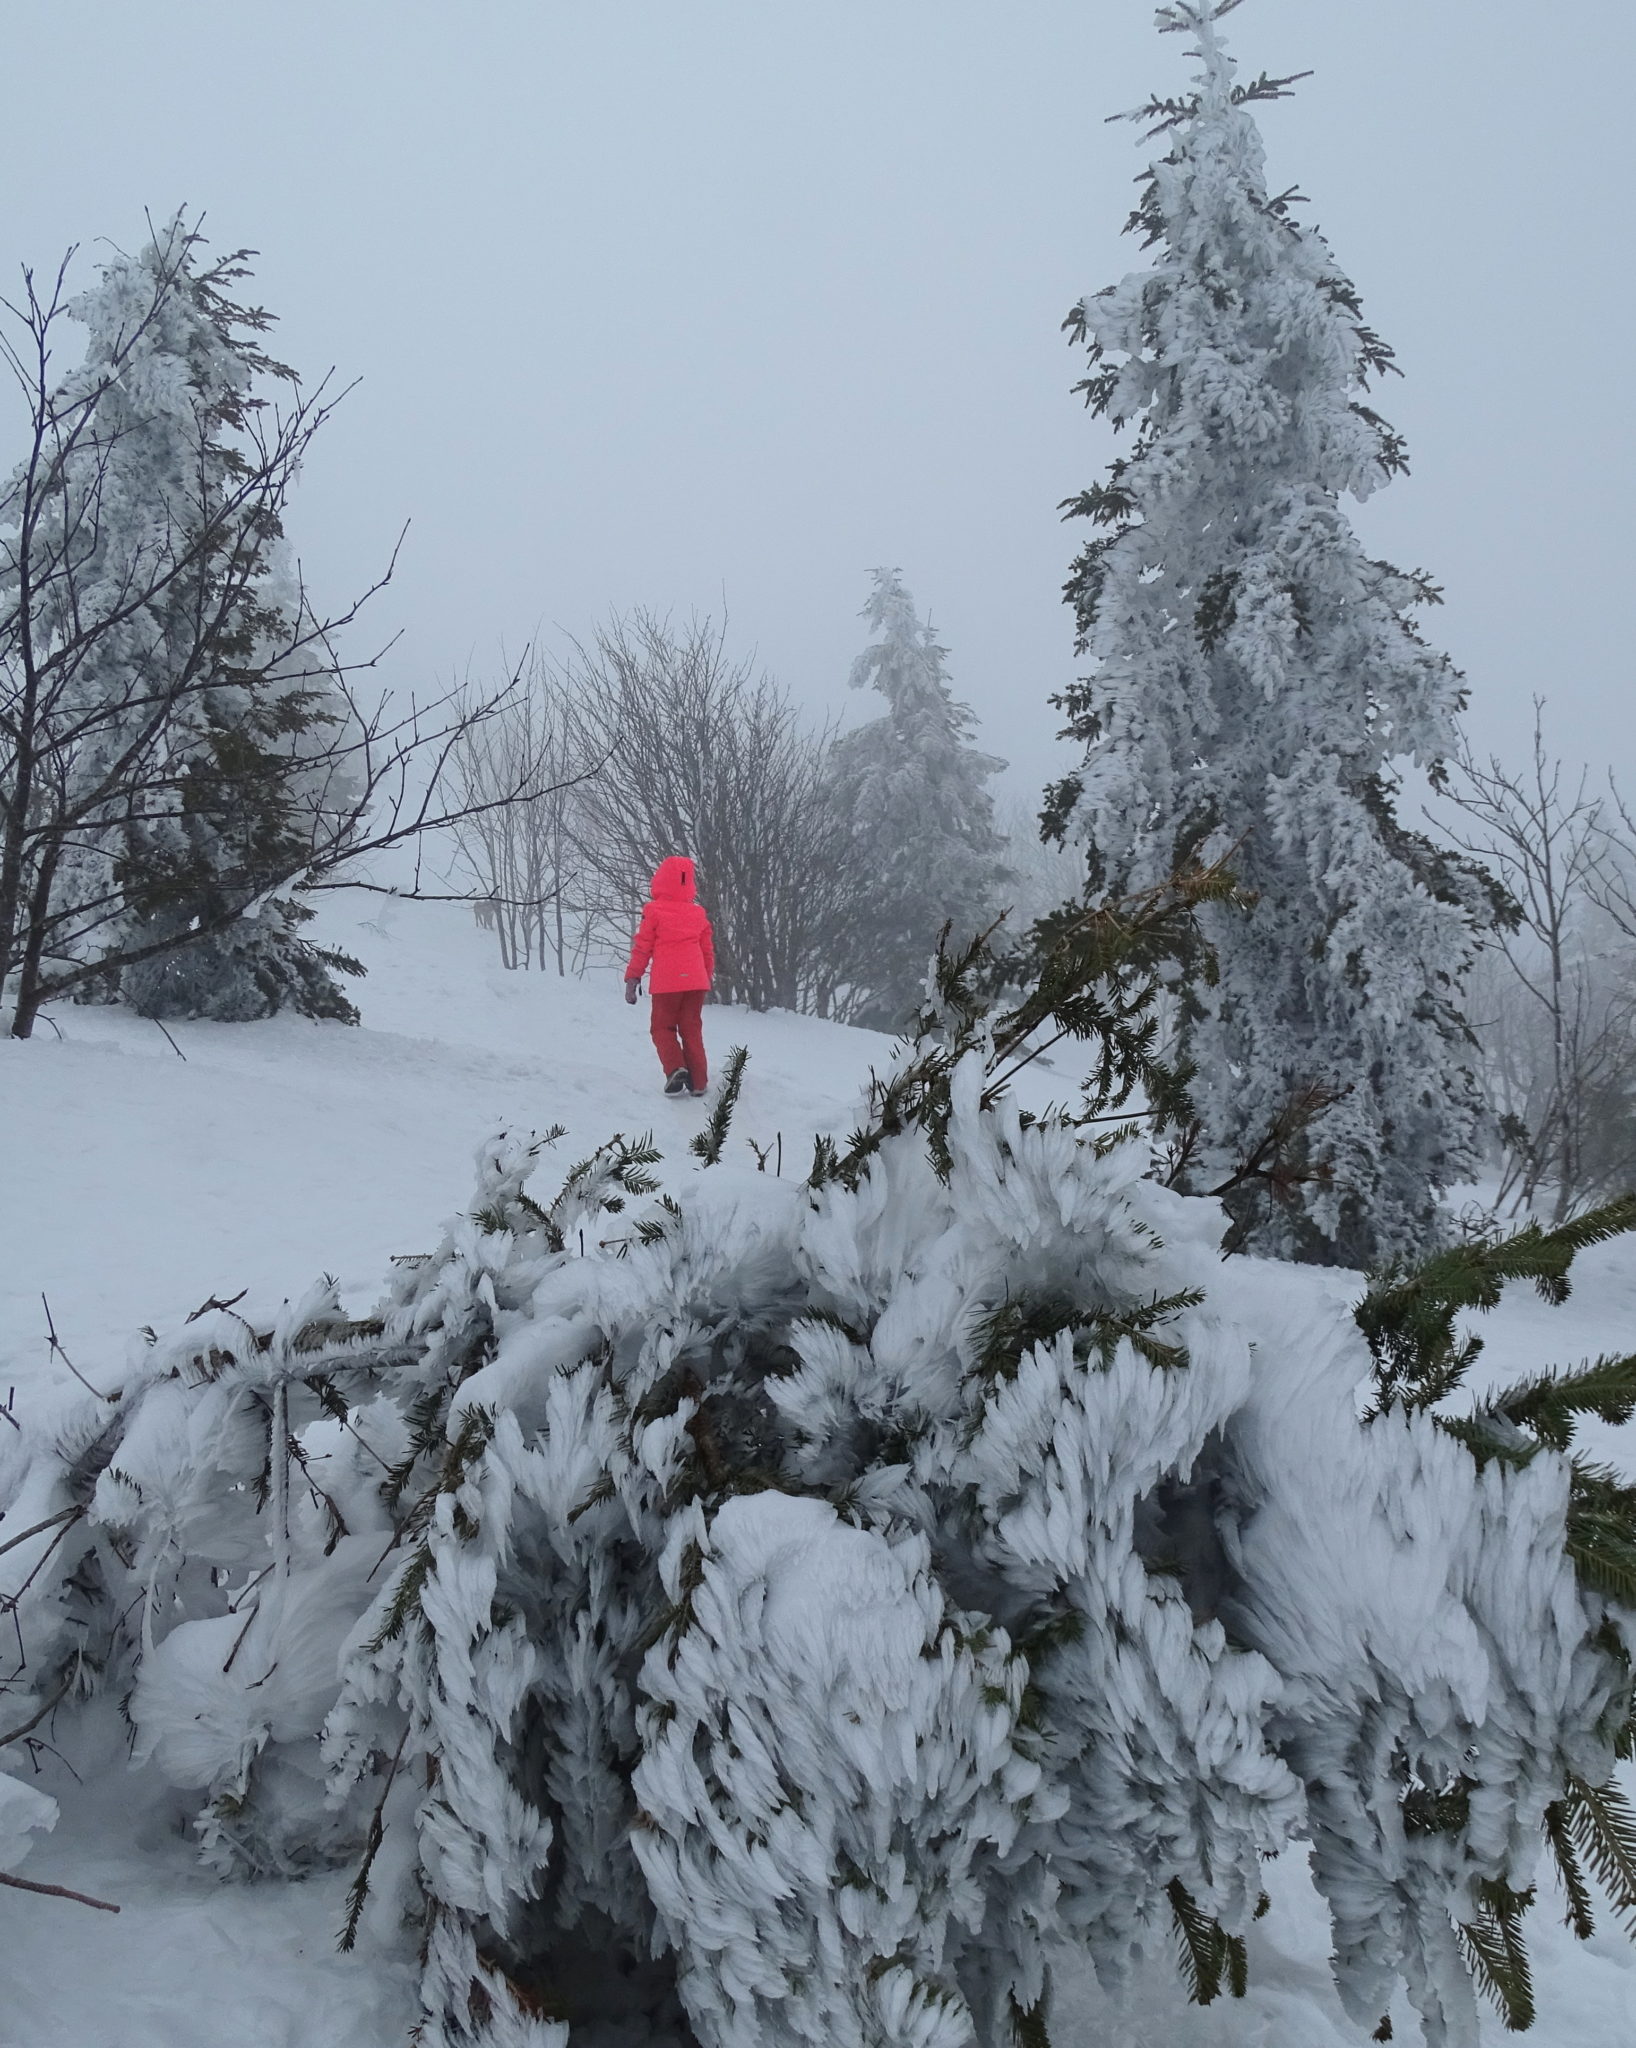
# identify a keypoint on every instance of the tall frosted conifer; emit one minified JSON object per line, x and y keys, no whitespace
{"x":1254,"y":676}
{"x":204,"y":609}
{"x":917,"y":792}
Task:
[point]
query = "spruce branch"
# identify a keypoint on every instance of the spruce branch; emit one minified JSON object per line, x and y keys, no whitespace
{"x":1409,"y":1321}
{"x":1601,"y":1531}
{"x":468,"y":1444}
{"x":707,"y":1144}
{"x":1603,"y":1825}
{"x":411,"y":1583}
{"x":1494,"y":1949}
{"x":596,"y":1185}
{"x":1559,"y":1838}
{"x":1008,"y":1332}
{"x":1409,"y":1315}
{"x":1210,"y":1957}
{"x":358,"y":1890}
{"x":1549,"y":1407}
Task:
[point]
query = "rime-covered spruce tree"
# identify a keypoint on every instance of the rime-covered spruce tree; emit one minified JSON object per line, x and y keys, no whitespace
{"x":798,"y":1612}
{"x":916,"y":792}
{"x":247,"y":762}
{"x":1254,"y":675}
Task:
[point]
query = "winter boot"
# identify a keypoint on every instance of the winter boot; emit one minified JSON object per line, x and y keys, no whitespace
{"x":678,"y":1083}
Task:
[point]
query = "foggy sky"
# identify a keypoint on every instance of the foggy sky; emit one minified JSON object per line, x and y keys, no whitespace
{"x":665,"y":301}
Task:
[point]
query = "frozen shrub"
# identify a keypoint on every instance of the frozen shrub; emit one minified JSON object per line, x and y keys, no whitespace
{"x":794,"y":1612}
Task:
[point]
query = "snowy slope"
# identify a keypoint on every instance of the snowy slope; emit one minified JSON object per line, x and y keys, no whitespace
{"x":138,"y":1183}
{"x":135,"y":1183}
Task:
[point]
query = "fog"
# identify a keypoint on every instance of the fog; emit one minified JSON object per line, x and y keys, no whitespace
{"x":719,"y":303}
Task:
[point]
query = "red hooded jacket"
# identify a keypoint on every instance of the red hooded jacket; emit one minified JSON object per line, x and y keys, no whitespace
{"x":674,"y":934}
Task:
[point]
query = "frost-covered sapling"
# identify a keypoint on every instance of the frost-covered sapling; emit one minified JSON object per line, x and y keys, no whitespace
{"x":803,"y":1610}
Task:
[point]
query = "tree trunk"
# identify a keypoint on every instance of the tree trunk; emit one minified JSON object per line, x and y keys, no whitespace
{"x":13,"y":849}
{"x":28,"y":976}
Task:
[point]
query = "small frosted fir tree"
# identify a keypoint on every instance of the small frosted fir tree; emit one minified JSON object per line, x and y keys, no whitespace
{"x":916,"y":792}
{"x":1254,"y":676}
{"x":216,"y":743}
{"x":793,"y":1614}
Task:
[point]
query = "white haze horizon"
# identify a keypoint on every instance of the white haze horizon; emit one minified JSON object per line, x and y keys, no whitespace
{"x":722,"y":307}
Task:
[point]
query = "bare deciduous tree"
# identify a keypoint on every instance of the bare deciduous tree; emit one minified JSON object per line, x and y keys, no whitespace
{"x":531,"y":879}
{"x":708,"y":757}
{"x":1555,"y":1002}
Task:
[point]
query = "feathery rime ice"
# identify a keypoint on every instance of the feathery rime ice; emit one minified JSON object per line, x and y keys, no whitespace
{"x":811,"y":1604}
{"x":1254,"y":676}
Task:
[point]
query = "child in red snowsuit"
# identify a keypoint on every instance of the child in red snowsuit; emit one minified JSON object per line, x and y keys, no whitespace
{"x":675,"y":937}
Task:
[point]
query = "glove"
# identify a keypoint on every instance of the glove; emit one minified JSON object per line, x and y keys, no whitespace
{"x":631,"y":990}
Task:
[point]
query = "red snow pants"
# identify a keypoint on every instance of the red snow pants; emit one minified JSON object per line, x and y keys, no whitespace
{"x":678,"y":1033}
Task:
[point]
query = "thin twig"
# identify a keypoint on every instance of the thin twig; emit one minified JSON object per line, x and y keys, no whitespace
{"x":206,"y":1308}
{"x":238,"y":1640}
{"x":247,"y":1589}
{"x":372,"y":1842}
{"x":50,"y":1522}
{"x":34,"y":1721}
{"x":347,"y":1423}
{"x":56,"y":1891}
{"x":175,"y":1048}
{"x":9,"y":1601}
{"x":63,"y":1355}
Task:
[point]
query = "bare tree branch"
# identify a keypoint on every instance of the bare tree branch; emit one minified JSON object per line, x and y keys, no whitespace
{"x":1557,"y":1043}
{"x":55,"y":1891}
{"x":708,"y":757}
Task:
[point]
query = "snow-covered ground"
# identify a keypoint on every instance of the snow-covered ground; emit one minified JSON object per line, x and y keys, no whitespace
{"x":136,"y":1183}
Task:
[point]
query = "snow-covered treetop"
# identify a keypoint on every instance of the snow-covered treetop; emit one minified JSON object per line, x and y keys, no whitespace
{"x":796,"y":1611}
{"x":171,"y":364}
{"x":1241,"y":282}
{"x":1241,"y":356}
{"x":906,"y":663}
{"x":184,"y":303}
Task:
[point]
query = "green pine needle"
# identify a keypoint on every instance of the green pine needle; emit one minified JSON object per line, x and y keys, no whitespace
{"x":1007,"y":1333}
{"x":1559,"y":1836}
{"x":1494,"y":1949}
{"x":1409,"y":1315}
{"x":1028,"y":2028}
{"x":709,"y":1142}
{"x":1603,"y":1825}
{"x":1209,"y":1956}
